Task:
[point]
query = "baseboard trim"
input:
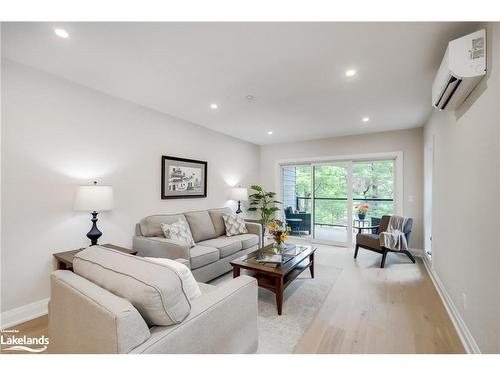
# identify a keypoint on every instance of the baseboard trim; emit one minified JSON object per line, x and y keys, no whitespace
{"x":24,"y":313}
{"x":465,"y":335}
{"x":417,"y":252}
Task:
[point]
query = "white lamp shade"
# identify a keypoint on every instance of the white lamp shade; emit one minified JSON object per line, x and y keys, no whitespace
{"x":239,"y":194}
{"x":94,"y":198}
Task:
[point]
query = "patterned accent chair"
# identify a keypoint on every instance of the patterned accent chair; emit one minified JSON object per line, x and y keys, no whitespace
{"x":371,"y":241}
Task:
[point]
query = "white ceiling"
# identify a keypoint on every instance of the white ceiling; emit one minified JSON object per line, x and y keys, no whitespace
{"x":294,"y":70}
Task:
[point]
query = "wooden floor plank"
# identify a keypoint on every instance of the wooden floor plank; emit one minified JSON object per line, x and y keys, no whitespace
{"x":374,"y":310}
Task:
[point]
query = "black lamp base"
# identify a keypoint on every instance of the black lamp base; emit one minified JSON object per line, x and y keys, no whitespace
{"x":94,"y":233}
{"x":238,"y":211}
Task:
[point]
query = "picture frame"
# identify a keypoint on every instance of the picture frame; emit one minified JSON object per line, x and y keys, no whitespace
{"x":183,"y":178}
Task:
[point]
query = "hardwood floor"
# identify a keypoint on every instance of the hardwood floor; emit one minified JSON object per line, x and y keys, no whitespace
{"x":374,"y":310}
{"x":368,"y":310}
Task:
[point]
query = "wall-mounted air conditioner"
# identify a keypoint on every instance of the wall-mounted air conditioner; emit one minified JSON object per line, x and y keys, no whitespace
{"x":463,"y":66}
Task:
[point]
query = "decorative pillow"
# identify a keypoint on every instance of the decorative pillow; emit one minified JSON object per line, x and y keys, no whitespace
{"x":178,"y":231}
{"x":234,"y":225}
{"x":189,"y":284}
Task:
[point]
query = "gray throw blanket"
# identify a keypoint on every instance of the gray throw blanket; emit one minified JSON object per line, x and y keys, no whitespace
{"x":394,"y":238}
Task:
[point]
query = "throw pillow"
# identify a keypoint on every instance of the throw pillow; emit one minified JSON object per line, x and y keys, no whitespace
{"x":189,"y":284}
{"x":178,"y":231}
{"x":234,"y":225}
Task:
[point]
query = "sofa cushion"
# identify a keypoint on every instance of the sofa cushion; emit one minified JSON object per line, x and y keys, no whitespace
{"x":216,"y":215}
{"x":226,"y":245}
{"x":178,"y":231}
{"x":189,"y":284}
{"x":201,"y":225}
{"x":203,"y":255}
{"x":247,"y":240}
{"x":150,"y":225}
{"x":155,"y":290}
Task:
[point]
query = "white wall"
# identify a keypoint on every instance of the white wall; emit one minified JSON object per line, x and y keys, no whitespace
{"x":408,"y":141}
{"x":57,"y":135}
{"x":466,"y":201}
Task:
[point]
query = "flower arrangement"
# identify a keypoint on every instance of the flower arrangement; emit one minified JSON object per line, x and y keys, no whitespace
{"x":278,"y":230}
{"x":361,"y":210}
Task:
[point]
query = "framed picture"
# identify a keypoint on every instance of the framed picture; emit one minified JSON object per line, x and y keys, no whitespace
{"x":183,"y":178}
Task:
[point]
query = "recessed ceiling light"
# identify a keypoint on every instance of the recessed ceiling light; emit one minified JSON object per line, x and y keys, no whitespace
{"x":365,"y":119}
{"x":270,"y":132}
{"x":350,"y":73}
{"x":61,"y":33}
{"x":250,"y":97}
{"x":214,"y":106}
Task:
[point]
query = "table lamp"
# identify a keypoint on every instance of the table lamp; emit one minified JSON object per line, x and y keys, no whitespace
{"x":94,"y":199}
{"x":239,"y":194}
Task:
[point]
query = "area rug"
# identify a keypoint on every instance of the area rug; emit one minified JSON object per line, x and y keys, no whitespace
{"x":302,"y":299}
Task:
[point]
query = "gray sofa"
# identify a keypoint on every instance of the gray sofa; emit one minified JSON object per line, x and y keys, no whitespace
{"x":213,"y":251}
{"x":112,"y":303}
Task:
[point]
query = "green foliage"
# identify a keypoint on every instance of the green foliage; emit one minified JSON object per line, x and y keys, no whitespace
{"x":263,"y":202}
{"x":370,"y":180}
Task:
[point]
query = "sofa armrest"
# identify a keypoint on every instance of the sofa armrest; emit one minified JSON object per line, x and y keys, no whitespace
{"x":221,"y":321}
{"x":159,"y":247}
{"x":85,"y":318}
{"x":255,"y":228}
{"x":184,"y":261}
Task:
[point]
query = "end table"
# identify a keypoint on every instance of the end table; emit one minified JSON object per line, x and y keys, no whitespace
{"x":65,"y":259}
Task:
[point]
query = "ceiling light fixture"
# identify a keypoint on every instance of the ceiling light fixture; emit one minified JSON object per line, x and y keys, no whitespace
{"x":270,"y":132}
{"x":214,"y":106}
{"x":61,"y":33}
{"x":250,"y":97}
{"x":365,"y":119}
{"x":350,"y":73}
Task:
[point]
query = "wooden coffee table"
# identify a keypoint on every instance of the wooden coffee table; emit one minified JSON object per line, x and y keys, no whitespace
{"x":275,"y":278}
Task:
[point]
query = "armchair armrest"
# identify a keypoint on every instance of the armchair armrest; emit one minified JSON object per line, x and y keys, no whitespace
{"x":221,"y":321}
{"x":160,"y":247}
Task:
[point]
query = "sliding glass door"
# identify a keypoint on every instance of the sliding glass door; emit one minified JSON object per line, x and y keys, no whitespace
{"x":373,"y":190}
{"x":329,"y":202}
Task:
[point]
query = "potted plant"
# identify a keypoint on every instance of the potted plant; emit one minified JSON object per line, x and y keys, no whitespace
{"x":263,"y":202}
{"x":279,"y":231}
{"x":361,"y":210}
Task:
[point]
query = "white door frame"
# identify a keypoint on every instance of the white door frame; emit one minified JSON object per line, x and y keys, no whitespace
{"x":338,"y":159}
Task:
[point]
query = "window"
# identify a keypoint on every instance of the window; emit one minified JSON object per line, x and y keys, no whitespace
{"x":320,"y":201}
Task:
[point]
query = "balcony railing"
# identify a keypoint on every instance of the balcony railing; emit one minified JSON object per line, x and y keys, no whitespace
{"x":303,"y":204}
